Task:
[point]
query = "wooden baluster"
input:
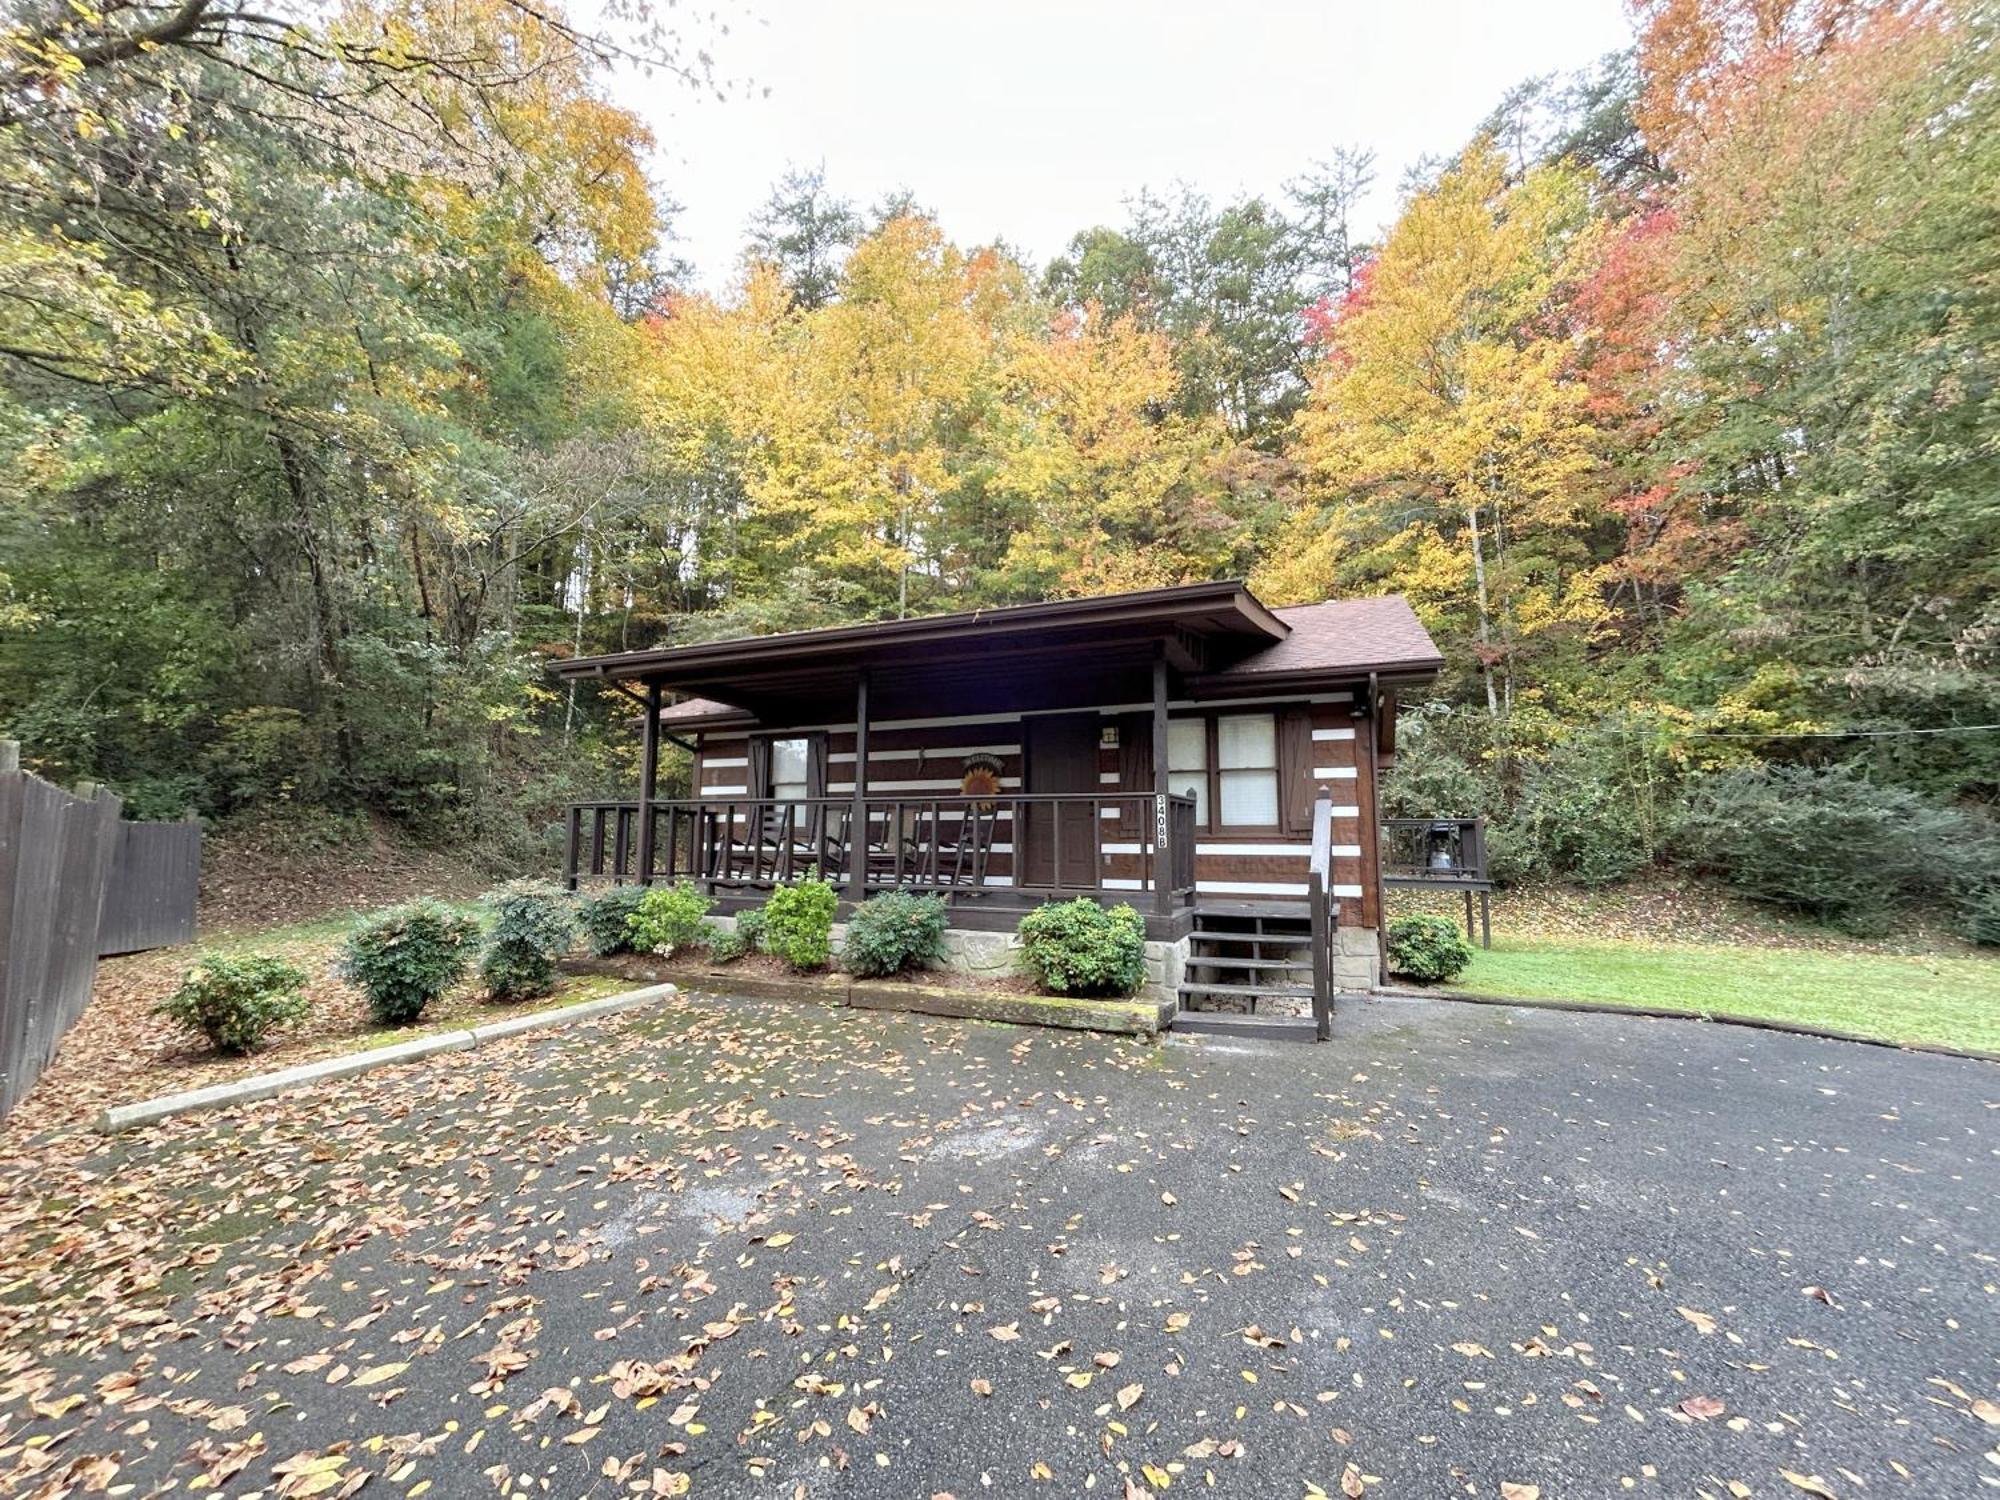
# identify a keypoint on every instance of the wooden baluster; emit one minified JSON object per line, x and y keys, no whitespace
{"x":572,"y":838}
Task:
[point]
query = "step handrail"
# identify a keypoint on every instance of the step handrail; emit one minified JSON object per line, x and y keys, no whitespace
{"x":1320,"y":909}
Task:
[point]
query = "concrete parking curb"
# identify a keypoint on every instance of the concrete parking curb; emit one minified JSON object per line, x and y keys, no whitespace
{"x":264,"y":1085}
{"x":1668,"y":1013}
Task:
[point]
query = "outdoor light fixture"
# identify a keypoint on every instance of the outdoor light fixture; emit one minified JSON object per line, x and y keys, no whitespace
{"x":1444,"y":848}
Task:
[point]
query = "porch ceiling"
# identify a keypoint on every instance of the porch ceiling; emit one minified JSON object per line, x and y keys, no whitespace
{"x":1077,"y":652}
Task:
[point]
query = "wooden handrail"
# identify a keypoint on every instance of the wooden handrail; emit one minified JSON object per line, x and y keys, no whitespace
{"x":944,"y":842}
{"x":1323,"y":914}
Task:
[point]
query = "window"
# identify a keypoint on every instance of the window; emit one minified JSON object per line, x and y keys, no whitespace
{"x":1246,"y":762}
{"x":1187,"y":764}
{"x":1230,"y":765}
{"x":791,"y":770}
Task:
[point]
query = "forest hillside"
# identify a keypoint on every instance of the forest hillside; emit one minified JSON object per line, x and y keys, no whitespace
{"x":347,"y":378}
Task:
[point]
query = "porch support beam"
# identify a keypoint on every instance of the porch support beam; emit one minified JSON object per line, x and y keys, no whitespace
{"x":649,"y":777}
{"x":857,"y":820}
{"x":1163,"y":856}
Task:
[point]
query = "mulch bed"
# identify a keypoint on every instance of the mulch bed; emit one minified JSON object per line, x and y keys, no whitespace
{"x":119,"y":1051}
{"x":762,"y":967}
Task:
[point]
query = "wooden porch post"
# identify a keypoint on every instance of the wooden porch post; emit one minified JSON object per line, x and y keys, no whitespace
{"x":857,"y":819}
{"x":1163,"y":858}
{"x":649,"y":775}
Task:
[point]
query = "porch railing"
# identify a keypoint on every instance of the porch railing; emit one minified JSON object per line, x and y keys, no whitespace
{"x":1441,"y":854}
{"x":1035,"y":844}
{"x":1445,"y":852}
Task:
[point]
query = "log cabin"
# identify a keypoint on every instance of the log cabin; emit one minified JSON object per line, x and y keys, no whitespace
{"x":1210,"y":760}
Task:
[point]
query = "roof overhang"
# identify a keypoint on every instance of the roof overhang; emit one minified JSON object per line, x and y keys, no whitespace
{"x":1038,"y":649}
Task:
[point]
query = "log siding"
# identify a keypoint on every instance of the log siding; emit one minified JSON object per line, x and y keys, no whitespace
{"x":918,"y":756}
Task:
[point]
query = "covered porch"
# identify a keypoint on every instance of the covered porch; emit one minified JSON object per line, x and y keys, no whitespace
{"x":835,"y":740}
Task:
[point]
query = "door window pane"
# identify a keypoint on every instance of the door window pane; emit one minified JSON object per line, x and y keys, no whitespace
{"x":791,"y":769}
{"x":1246,"y":752}
{"x":1187,"y":763}
{"x":1182,"y":783}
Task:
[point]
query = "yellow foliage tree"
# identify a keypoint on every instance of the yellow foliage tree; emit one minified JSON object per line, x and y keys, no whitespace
{"x":932,"y":434}
{"x":1447,"y":438}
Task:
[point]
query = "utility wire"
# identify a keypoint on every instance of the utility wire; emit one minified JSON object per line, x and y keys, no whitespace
{"x":1797,"y":734}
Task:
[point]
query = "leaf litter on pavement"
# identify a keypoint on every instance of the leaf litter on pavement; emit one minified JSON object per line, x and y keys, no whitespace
{"x":701,"y":1251}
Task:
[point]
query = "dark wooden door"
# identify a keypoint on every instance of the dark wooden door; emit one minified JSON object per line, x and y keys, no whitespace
{"x":1060,"y":755}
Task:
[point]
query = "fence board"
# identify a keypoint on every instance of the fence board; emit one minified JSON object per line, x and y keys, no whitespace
{"x":150,"y":900}
{"x":66,"y":863}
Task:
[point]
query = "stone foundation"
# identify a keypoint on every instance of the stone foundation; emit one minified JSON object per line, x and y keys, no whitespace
{"x":996,"y":955}
{"x":1357,"y":958}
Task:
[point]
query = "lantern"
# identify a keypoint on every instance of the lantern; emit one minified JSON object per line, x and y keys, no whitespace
{"x":1443,"y":855}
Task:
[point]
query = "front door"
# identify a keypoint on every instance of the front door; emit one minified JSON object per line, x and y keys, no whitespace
{"x":1060,"y":754}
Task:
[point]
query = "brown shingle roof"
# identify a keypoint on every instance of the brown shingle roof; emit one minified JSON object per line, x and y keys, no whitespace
{"x":1345,"y":635}
{"x":1341,"y":637}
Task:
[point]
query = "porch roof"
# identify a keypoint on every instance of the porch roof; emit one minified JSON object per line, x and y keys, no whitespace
{"x":1031,"y":655}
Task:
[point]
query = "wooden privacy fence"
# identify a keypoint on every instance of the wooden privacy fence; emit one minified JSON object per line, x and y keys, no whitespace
{"x":76,"y":881}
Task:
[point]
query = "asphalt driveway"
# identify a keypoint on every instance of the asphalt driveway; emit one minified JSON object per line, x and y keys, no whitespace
{"x":730,"y":1247}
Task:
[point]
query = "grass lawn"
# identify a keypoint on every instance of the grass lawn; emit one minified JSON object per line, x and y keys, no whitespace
{"x":1920,"y":998}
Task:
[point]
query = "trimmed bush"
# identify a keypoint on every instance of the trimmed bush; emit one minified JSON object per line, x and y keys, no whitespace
{"x":1080,"y":948}
{"x":1427,"y":949}
{"x":746,"y":937}
{"x":669,"y":918}
{"x":893,"y":932}
{"x":606,"y":919}
{"x":406,"y":957}
{"x":534,"y":924}
{"x":798,"y":922}
{"x":235,"y":1002}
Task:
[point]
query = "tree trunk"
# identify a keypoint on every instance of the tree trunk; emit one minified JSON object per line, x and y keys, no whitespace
{"x":1485,"y":618}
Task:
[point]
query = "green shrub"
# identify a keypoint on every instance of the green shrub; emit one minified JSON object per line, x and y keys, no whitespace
{"x":606,"y":919}
{"x":1979,"y":915}
{"x":406,"y":957}
{"x":534,"y":923}
{"x":1080,"y":948}
{"x":895,"y":931}
{"x":1574,"y":817}
{"x":1827,"y":842}
{"x":234,"y":1002}
{"x":746,"y":937}
{"x":798,"y":922}
{"x":1427,"y":949}
{"x":670,"y":917}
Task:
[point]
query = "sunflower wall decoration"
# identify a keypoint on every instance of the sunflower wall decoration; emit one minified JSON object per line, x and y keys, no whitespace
{"x":980,"y":777}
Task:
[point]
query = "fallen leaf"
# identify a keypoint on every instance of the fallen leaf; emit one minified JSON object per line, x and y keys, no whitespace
{"x":1812,"y":1484}
{"x":1701,"y":1408}
{"x":1703,"y":1323}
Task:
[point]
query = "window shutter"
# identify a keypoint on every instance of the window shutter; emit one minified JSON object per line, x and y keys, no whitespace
{"x":1135,"y":773}
{"x":1295,"y":769}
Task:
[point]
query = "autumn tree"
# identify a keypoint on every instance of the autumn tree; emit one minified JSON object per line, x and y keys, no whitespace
{"x":804,"y":232}
{"x":1447,"y":432}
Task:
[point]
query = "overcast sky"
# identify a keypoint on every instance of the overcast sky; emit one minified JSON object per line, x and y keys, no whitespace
{"x":1028,"y":120}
